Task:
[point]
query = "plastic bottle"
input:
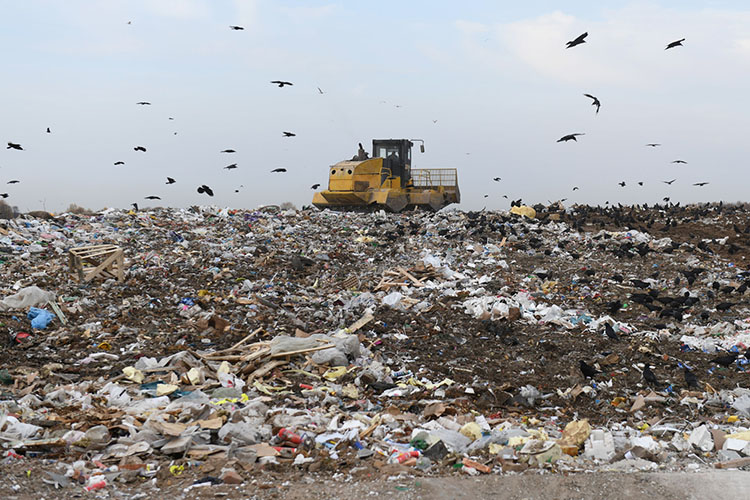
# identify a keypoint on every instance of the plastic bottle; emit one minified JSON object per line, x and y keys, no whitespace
{"x":287,"y":435}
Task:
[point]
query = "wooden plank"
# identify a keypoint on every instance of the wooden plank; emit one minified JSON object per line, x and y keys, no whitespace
{"x":92,"y":274}
{"x":406,"y":273}
{"x":302,"y":351}
{"x":265,"y":369}
{"x":730,"y":464}
{"x":248,"y":337}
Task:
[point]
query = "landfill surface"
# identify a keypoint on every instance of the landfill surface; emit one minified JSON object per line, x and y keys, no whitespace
{"x":257,"y":351}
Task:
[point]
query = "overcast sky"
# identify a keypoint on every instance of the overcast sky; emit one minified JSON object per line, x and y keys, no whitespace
{"x":495,"y":75}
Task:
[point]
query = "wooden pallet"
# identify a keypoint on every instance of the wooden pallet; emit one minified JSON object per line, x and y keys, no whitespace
{"x":89,"y":262}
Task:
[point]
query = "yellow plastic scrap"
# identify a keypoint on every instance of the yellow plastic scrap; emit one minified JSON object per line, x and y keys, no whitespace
{"x":364,"y":239}
{"x":241,"y":399}
{"x":471,"y":431}
{"x":350,"y":391}
{"x":643,"y":427}
{"x":133,"y":374}
{"x":525,"y":211}
{"x":204,"y":293}
{"x":105,"y":346}
{"x":745,"y":435}
{"x":176,"y":470}
{"x":446,"y":382}
{"x":618,"y":401}
{"x":575,"y":433}
{"x":495,"y":448}
{"x":335,"y":373}
{"x":732,"y":419}
{"x":518,"y":441}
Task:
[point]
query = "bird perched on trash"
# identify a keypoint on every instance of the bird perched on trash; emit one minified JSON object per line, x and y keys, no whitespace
{"x":278,"y":170}
{"x":611,"y":333}
{"x":587,"y":370}
{"x":649,"y":376}
{"x":14,"y":181}
{"x":570,"y":137}
{"x":595,"y":103}
{"x":13,"y":145}
{"x":315,"y":186}
{"x":205,"y":189}
{"x":135,"y":206}
{"x":119,"y":163}
{"x":152,"y":197}
{"x":690,"y":379}
{"x":724,"y":306}
{"x":289,"y":134}
{"x":230,"y":167}
{"x":228,"y":151}
{"x":170,"y":180}
{"x":140,"y":148}
{"x":236,"y":28}
{"x":726,"y":360}
{"x":281,"y":83}
{"x":676,"y":43}
{"x":577,"y":41}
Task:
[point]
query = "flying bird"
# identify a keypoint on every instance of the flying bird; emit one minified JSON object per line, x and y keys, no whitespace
{"x":281,"y":83}
{"x":48,"y":130}
{"x":152,"y":198}
{"x":119,"y":163}
{"x":135,"y":206}
{"x":13,"y":145}
{"x":577,"y":41}
{"x":205,"y":189}
{"x":486,"y":196}
{"x":140,"y":148}
{"x":669,"y":182}
{"x":320,"y":91}
{"x":665,"y":199}
{"x":569,"y":137}
{"x":595,"y":102}
{"x":289,"y":134}
{"x":622,"y":184}
{"x":229,"y":151}
{"x":700,"y":183}
{"x":3,"y":195}
{"x":653,"y":144}
{"x":143,"y":103}
{"x":677,"y":43}
{"x":680,"y":161}
{"x":230,"y":167}
{"x":640,"y":183}
{"x":496,"y":179}
{"x":14,"y":181}
{"x":278,"y":170}
{"x":170,"y":180}
{"x":315,"y":186}
{"x":236,"y":28}
{"x":575,"y":188}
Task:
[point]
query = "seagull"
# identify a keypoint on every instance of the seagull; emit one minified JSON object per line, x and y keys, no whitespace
{"x":152,"y":198}
{"x":281,"y":83}
{"x":119,"y":163}
{"x":653,"y":144}
{"x":236,"y":28}
{"x":14,"y":181}
{"x":677,"y":43}
{"x":143,"y":103}
{"x":595,"y":103}
{"x":700,"y":183}
{"x":320,"y":91}
{"x":569,"y":137}
{"x":680,"y":161}
{"x":315,"y":186}
{"x":48,"y":130}
{"x":278,"y":170}
{"x":496,"y":179}
{"x":229,"y":151}
{"x":13,"y":145}
{"x":669,"y":182}
{"x":289,"y":134}
{"x":205,"y":189}
{"x":230,"y":167}
{"x":622,"y":184}
{"x":140,"y":148}
{"x":577,"y":41}
{"x":170,"y":180}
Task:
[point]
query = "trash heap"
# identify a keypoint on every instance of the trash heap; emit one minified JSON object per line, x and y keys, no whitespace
{"x":243,"y":343}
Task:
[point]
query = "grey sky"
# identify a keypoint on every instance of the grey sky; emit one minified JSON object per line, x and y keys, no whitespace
{"x":496,"y":77}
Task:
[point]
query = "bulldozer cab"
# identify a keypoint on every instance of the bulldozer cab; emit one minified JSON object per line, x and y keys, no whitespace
{"x":396,"y":154}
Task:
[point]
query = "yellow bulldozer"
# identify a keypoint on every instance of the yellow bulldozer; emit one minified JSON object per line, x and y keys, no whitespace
{"x":387,"y":181}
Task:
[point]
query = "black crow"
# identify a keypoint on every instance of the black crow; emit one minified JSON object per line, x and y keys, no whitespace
{"x":700,"y":183}
{"x":281,"y":83}
{"x":595,"y":103}
{"x":289,"y":134}
{"x":588,"y":371}
{"x":577,"y":41}
{"x":611,"y":333}
{"x":236,"y":28}
{"x":726,"y":360}
{"x":690,"y":379}
{"x":170,"y":180}
{"x":228,"y":151}
{"x":230,"y":167}
{"x":13,"y":145}
{"x":144,"y":103}
{"x":205,"y":189}
{"x":677,"y":43}
{"x":315,"y":186}
{"x":152,"y":198}
{"x":570,"y":137}
{"x":649,"y":376}
{"x":119,"y":163}
{"x":140,"y":148}
{"x":278,"y":170}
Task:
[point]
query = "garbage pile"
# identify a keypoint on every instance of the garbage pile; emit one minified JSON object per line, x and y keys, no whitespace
{"x":249,"y":342}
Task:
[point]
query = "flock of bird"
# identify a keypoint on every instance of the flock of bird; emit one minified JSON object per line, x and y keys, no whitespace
{"x":581,"y":39}
{"x":203,"y":188}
